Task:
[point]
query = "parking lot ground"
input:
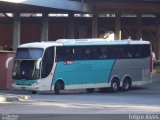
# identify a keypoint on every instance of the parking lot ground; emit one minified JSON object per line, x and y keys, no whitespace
{"x":139,"y":100}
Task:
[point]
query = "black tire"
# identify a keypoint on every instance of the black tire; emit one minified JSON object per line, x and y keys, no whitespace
{"x":114,"y":86}
{"x":34,"y":92}
{"x":57,"y":87}
{"x":126,"y":85}
{"x":90,"y":90}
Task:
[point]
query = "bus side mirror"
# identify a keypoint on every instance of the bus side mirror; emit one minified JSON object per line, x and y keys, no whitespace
{"x":8,"y":60}
{"x":38,"y":63}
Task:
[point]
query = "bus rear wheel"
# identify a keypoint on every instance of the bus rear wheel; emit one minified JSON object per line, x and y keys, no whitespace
{"x":114,"y":86}
{"x":126,"y":85}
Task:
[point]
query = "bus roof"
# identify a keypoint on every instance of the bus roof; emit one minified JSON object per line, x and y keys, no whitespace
{"x":98,"y":41}
{"x":40,"y":44}
{"x":81,"y":42}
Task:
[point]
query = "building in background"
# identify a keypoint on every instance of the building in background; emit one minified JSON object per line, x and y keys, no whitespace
{"x":23,"y":21}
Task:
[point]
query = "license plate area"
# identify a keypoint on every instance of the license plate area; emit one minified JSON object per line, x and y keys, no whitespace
{"x":23,"y":88}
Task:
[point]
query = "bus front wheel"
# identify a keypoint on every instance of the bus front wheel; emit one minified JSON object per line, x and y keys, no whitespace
{"x":57,"y":87}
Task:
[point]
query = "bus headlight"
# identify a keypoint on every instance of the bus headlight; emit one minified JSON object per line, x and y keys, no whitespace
{"x":34,"y":84}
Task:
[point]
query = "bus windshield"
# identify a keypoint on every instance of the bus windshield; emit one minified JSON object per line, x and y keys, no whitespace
{"x":26,"y":60}
{"x":25,"y":63}
{"x":25,"y":69}
{"x":29,"y":53}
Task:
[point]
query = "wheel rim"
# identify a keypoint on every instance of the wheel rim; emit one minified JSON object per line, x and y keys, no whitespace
{"x":126,"y":85}
{"x":115,"y":86}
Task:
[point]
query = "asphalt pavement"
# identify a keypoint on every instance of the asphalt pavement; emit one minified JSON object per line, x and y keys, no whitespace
{"x":136,"y":104}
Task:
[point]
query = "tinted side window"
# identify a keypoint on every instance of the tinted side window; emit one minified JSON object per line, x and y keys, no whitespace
{"x":145,"y":51}
{"x":47,"y":62}
{"x":136,"y":51}
{"x":74,"y":53}
{"x":133,"y":51}
{"x":98,"y":52}
{"x":107,"y":52}
{"x":123,"y":52}
{"x":86,"y":53}
{"x":66,"y":53}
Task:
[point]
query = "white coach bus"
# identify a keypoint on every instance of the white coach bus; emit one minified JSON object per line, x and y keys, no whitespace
{"x":82,"y":64}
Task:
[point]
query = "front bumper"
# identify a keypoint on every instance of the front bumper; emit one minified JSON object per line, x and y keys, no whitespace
{"x":26,"y":88}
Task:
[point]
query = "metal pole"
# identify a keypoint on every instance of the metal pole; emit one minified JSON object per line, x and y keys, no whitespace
{"x":82,"y":5}
{"x":82,"y":8}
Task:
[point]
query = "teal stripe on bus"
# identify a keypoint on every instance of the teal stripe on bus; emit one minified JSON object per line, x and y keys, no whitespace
{"x":25,"y":82}
{"x":95,"y":43}
{"x":83,"y":72}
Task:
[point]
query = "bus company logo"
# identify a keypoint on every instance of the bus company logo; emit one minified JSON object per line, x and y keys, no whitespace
{"x":69,"y":62}
{"x":9,"y":117}
{"x":144,"y":117}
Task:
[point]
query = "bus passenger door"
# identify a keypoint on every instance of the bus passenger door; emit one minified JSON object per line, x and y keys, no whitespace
{"x":47,"y":68}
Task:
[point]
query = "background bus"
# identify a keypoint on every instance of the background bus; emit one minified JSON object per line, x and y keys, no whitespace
{"x":82,"y":64}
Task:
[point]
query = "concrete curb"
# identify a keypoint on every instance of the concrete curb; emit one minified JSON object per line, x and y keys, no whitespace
{"x":13,"y":98}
